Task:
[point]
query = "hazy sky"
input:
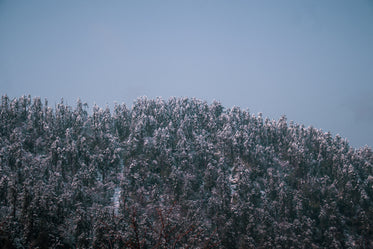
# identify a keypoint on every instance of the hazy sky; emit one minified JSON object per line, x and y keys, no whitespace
{"x":309,"y":60}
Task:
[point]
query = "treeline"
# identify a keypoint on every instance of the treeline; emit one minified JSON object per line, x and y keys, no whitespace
{"x":180,"y":173}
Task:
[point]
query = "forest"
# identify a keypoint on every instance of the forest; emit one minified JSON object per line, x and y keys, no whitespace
{"x":176,"y":173}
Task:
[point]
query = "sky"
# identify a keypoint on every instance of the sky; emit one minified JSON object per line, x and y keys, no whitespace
{"x":309,"y":60}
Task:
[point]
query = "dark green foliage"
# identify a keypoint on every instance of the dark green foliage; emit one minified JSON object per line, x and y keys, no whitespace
{"x":176,"y":174}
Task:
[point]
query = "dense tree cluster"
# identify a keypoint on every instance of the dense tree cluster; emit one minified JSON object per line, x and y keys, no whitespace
{"x":176,"y":174}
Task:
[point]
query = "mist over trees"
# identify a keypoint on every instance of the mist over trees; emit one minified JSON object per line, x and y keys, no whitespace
{"x":180,"y":173}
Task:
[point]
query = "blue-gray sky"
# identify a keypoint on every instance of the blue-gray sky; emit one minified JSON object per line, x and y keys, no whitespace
{"x":309,"y":60}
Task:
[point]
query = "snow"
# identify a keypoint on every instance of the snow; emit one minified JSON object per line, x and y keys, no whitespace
{"x":116,"y":198}
{"x":117,"y":189}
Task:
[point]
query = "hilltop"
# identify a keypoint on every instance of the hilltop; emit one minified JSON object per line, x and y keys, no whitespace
{"x":176,"y":173}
